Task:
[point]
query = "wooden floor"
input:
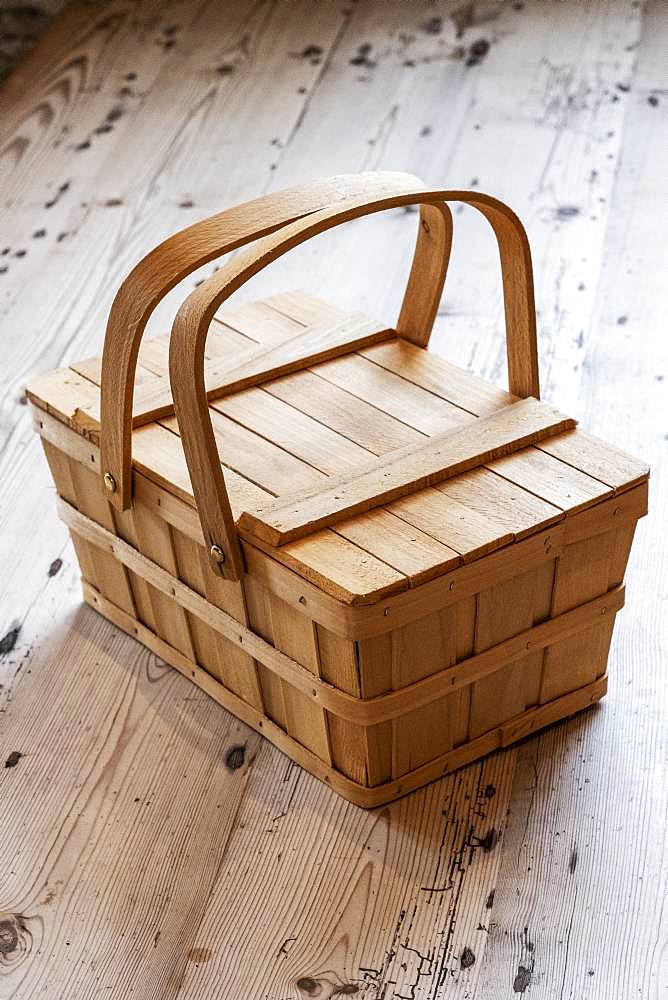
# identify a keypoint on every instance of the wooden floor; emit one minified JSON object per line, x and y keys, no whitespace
{"x":151,"y":846}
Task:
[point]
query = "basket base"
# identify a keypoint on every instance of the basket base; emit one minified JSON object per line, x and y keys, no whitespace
{"x":367,"y":797}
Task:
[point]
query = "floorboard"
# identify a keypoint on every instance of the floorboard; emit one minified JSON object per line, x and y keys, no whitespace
{"x":135,"y":859}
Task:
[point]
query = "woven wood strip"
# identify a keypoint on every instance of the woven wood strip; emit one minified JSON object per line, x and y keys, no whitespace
{"x":366,"y":797}
{"x":362,"y":712}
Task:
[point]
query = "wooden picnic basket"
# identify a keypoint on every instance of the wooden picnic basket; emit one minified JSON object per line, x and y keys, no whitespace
{"x":398,"y":567}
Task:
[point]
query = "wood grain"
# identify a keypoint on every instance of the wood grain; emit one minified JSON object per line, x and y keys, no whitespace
{"x":433,"y":894}
{"x":586,"y":826}
{"x":406,"y":471}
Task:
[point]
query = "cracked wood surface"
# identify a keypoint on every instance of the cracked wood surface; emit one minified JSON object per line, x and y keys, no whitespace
{"x":151,"y":844}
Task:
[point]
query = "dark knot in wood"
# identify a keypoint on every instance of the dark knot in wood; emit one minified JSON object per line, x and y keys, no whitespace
{"x":235,"y":757}
{"x":9,"y":937}
{"x":325,"y":989}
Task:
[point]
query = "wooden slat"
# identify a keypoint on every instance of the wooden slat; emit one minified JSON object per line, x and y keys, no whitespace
{"x":295,"y":635}
{"x":339,"y":666}
{"x":112,"y":577}
{"x":262,"y":324}
{"x":457,"y":524}
{"x":443,"y":457}
{"x":446,"y":384}
{"x":428,"y":732}
{"x":554,"y":481}
{"x":293,"y":656}
{"x":583,"y":572}
{"x":504,"y":610}
{"x":68,"y":395}
{"x":259,"y":620}
{"x":154,"y":540}
{"x":300,"y":435}
{"x":393,"y":395}
{"x":367,"y":798}
{"x":60,"y":465}
{"x":343,"y":412}
{"x":145,"y":596}
{"x":301,"y":307}
{"x":439,"y":377}
{"x":232,"y":666}
{"x":598,"y":459}
{"x":224,"y":376}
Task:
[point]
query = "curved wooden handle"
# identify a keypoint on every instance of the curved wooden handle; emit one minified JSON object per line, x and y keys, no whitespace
{"x":154,"y":276}
{"x":186,"y":355}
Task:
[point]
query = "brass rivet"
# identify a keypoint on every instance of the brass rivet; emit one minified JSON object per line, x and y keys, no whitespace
{"x":217,"y":554}
{"x":109,"y":482}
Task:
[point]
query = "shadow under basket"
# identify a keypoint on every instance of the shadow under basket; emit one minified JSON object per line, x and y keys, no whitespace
{"x":385,"y":565}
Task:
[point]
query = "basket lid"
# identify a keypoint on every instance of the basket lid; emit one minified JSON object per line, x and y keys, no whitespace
{"x":293,"y":433}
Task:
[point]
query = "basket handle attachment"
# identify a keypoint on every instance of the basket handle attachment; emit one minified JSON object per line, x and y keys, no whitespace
{"x":177,"y":257}
{"x":189,"y":331}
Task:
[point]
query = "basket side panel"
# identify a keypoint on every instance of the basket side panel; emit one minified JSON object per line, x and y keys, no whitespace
{"x":296,"y":635}
{"x":418,"y":650}
{"x":153,"y":539}
{"x":59,"y":464}
{"x":621,"y":550}
{"x":142,"y":591}
{"x":259,"y":619}
{"x":503,"y":611}
{"x":339,"y":665}
{"x":80,"y":487}
{"x":375,"y":665}
{"x":585,"y":569}
{"x":219,"y":657}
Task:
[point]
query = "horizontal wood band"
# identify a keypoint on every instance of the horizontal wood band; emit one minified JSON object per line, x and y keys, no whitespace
{"x":404,"y":471}
{"x":362,"y":712}
{"x":361,"y":795}
{"x":429,"y":689}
